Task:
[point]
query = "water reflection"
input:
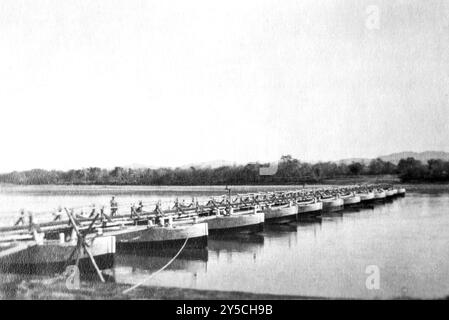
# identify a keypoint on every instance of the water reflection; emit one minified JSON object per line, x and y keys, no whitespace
{"x":235,"y":243}
{"x":187,"y":262}
{"x":137,"y":268}
{"x":310,"y":219}
{"x":353,"y":209}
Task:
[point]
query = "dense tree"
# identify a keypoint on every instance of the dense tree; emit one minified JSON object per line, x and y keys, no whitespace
{"x":289,"y":171}
{"x":355,"y":168}
{"x":438,"y":170}
{"x":378,"y":166}
{"x":411,"y":169}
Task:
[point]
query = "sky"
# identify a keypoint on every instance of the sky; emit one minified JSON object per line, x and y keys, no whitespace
{"x":169,"y":83}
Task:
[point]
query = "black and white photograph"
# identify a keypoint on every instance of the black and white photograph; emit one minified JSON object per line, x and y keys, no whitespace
{"x":224,"y":150}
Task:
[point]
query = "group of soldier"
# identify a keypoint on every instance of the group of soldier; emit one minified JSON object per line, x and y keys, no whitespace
{"x":58,"y":214}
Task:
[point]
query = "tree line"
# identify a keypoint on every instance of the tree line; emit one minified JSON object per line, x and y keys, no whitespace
{"x":289,"y":171}
{"x":435,"y":170}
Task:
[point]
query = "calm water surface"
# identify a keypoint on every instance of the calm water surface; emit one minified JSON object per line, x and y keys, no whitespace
{"x":407,"y":239}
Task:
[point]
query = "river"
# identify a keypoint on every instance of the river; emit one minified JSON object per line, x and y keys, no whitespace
{"x":391,"y":250}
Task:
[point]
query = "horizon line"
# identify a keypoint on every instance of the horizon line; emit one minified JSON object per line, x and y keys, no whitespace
{"x":229,"y":163}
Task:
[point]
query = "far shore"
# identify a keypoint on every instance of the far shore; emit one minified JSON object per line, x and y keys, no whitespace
{"x":415,"y":186}
{"x":381,"y":179}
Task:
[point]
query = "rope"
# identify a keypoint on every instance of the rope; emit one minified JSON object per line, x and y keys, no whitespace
{"x":155,"y":273}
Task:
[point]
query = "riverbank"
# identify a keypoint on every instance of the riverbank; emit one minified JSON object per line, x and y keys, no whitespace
{"x":57,"y":290}
{"x":219,"y":189}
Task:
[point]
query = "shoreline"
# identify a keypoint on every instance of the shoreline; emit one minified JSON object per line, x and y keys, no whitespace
{"x":56,"y":290}
{"x":410,"y":186}
{"x":49,"y":289}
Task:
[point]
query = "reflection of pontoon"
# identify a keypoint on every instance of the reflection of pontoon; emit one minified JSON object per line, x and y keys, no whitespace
{"x":151,"y":263}
{"x":310,"y":220}
{"x":281,"y":228}
{"x":133,"y":269}
{"x":236,"y":243}
{"x":282,"y":233}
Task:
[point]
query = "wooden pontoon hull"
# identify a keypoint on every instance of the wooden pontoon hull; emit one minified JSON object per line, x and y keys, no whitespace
{"x":332,"y":205}
{"x":52,"y":257}
{"x":154,"y":238}
{"x":380,"y":196}
{"x":85,"y":266}
{"x":390,"y":193}
{"x":252,"y":222}
{"x":309,"y":208}
{"x":351,"y":201}
{"x":281,"y":214}
{"x":366,"y":197}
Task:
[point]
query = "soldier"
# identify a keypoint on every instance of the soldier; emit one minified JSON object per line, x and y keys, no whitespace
{"x":58,"y":214}
{"x":133,"y":211}
{"x":31,"y":221}
{"x":80,"y":215}
{"x":93,"y":212}
{"x":114,"y":206}
{"x":21,"y":219}
{"x":139,"y":207}
{"x":159,"y":214}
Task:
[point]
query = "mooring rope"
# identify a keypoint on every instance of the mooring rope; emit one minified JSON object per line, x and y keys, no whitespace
{"x":155,"y":273}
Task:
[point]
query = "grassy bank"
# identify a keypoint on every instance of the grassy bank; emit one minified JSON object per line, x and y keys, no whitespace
{"x":56,"y":290}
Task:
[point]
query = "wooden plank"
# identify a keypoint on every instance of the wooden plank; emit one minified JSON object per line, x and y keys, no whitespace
{"x":85,"y":246}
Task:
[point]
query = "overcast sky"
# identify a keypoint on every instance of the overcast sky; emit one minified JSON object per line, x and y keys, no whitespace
{"x":106,"y":83}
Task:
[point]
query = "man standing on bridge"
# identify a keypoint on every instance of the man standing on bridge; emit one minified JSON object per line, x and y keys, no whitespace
{"x":114,"y":206}
{"x":21,"y":220}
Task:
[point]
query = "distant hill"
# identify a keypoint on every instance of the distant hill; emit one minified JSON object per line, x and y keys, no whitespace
{"x":210,"y":164}
{"x":351,"y":160}
{"x":135,"y":166}
{"x":202,"y":165}
{"x":396,"y":157}
{"x":422,"y":156}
